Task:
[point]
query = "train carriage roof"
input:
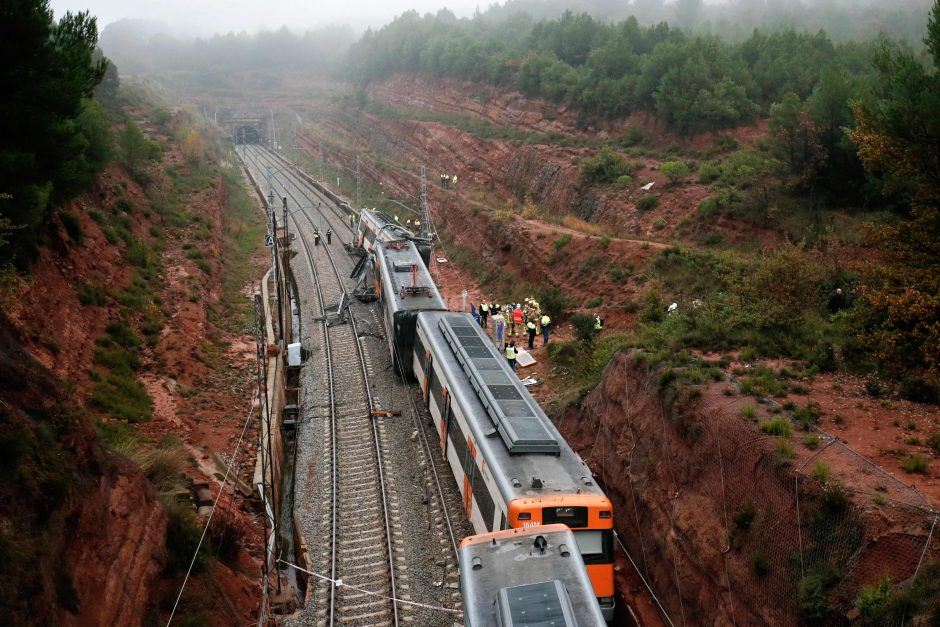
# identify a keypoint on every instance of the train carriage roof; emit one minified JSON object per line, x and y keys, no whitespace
{"x":529,"y":576}
{"x":402,"y":271}
{"x":524,"y":474}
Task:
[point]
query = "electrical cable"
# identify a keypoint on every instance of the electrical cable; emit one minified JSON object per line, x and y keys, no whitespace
{"x":214,"y":505}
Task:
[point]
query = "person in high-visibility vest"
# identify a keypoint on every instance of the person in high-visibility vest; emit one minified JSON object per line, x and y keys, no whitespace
{"x":396,"y":218}
{"x":352,"y":219}
{"x":454,"y":180}
{"x":511,"y":355}
{"x":546,"y":323}
{"x":316,"y":237}
{"x":484,"y":314}
{"x":417,"y":225}
{"x":598,"y":323}
{"x":531,"y":328}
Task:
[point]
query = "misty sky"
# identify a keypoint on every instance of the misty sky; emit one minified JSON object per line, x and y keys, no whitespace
{"x":205,"y":17}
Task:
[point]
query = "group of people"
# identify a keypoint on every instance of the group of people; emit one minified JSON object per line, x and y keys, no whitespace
{"x":316,"y":236}
{"x":514,"y":319}
{"x":448,"y":181}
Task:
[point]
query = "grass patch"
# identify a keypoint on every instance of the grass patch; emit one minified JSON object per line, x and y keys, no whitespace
{"x":822,"y":472}
{"x":916,"y":464}
{"x":749,"y":412}
{"x":91,"y":295}
{"x":776,"y":426}
{"x":562,"y":241}
{"x":121,"y":395}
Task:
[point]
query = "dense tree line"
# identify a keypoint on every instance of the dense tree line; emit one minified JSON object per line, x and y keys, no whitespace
{"x":54,"y":137}
{"x":844,"y":20}
{"x":693,"y":82}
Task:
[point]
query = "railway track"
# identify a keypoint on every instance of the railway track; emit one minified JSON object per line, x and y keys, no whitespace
{"x":361,"y":589}
{"x":310,"y":203}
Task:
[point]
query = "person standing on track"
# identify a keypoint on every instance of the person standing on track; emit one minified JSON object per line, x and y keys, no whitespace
{"x":316,"y":237}
{"x":329,"y":236}
{"x":352,"y":221}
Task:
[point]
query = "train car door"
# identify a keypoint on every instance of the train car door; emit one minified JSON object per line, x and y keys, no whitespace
{"x":470,"y":470}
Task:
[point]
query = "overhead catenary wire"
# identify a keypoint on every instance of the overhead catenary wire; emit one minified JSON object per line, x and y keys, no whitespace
{"x":215,"y":504}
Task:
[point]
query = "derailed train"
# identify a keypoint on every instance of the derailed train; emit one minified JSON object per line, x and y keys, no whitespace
{"x":531,"y":576}
{"x":512,"y":466}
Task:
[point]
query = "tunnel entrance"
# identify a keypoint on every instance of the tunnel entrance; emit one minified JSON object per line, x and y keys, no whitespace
{"x":247,"y":135}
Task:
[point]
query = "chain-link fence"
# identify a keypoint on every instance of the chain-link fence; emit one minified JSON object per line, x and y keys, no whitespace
{"x":731,"y":525}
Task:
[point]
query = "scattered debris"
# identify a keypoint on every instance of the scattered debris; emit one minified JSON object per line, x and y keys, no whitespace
{"x":530,"y":381}
{"x":648,"y":186}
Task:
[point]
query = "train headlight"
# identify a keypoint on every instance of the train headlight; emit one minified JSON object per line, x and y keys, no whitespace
{"x":605,"y":514}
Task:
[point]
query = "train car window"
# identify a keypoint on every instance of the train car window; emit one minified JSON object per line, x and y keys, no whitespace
{"x":458,"y":441}
{"x":484,"y":500}
{"x":420,"y":352}
{"x":435,"y":387}
{"x":574,"y":517}
{"x":596,"y":545}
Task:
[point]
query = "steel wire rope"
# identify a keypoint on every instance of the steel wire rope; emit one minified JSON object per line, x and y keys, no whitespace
{"x":215,"y":504}
{"x":365,"y":379}
{"x":340,"y":582}
{"x":643,"y":579}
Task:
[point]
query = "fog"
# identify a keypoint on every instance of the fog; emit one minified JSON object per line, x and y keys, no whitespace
{"x":207,"y":17}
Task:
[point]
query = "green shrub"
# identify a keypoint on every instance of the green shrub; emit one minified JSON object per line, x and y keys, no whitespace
{"x":811,"y":441}
{"x":73,"y":226}
{"x":604,"y":168}
{"x":632,"y":137}
{"x":647,"y":203}
{"x":591,"y":264}
{"x":919,"y":390}
{"x":120,"y":395}
{"x":583,"y":328}
{"x":915,"y":464}
{"x":708,"y":173}
{"x":749,"y":412}
{"x":123,"y":205}
{"x":822,"y":472}
{"x":814,"y":590}
{"x":872,"y":599}
{"x":621,"y":273}
{"x":603,"y":243}
{"x":675,"y":171}
{"x":182,"y":538}
{"x":562,"y":241}
{"x":807,"y":416}
{"x":776,"y":426}
{"x":122,"y":335}
{"x":623,"y":180}
{"x":594,"y":302}
{"x":92,"y":295}
{"x":554,"y":302}
{"x":784,"y":448}
{"x":934,"y":442}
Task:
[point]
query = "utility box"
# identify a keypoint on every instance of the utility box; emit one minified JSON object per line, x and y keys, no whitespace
{"x":293,"y":354}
